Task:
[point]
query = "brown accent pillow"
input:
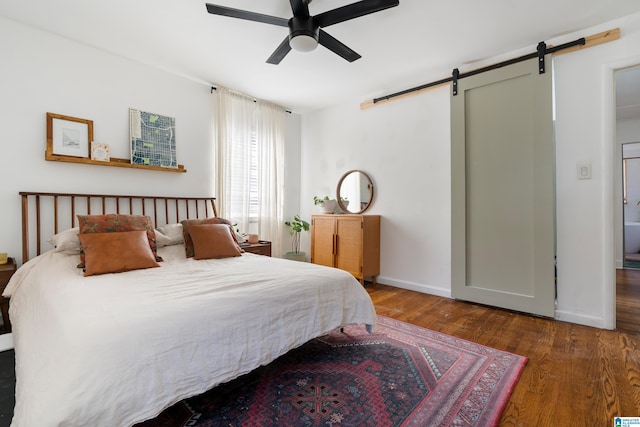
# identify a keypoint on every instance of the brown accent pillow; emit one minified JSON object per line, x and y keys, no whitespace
{"x":213,"y":241}
{"x":113,"y":223}
{"x":116,"y":252}
{"x":187,"y":223}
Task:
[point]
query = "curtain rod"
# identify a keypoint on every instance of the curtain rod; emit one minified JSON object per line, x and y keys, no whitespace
{"x":593,"y":40}
{"x":254,"y":100}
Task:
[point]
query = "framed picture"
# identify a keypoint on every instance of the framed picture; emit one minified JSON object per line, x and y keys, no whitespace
{"x":68,"y":136}
{"x":100,"y":152}
{"x":153,"y":139}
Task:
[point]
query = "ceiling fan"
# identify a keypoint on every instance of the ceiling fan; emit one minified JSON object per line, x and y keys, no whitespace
{"x":305,"y":31}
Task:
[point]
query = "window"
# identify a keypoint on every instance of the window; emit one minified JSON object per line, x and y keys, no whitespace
{"x":250,"y":164}
{"x":242,"y":180}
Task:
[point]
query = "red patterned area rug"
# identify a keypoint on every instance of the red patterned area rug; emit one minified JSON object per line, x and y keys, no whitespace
{"x":400,"y":375}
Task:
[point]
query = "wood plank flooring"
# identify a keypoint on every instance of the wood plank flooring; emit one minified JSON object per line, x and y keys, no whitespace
{"x":576,"y":375}
{"x":628,"y":300}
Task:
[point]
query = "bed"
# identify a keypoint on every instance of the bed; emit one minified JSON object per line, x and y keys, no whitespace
{"x":115,"y":349}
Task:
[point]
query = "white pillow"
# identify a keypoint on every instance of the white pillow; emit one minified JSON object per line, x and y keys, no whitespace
{"x":67,"y":241}
{"x":163,"y":240}
{"x":170,"y":234}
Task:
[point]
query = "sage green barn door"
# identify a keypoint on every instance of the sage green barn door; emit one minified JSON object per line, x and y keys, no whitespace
{"x":502,"y":178}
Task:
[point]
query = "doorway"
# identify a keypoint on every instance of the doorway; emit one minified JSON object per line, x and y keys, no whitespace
{"x":631,"y":205}
{"x":627,"y":125}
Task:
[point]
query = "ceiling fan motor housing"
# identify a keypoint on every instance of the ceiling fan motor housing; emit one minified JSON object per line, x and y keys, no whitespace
{"x":303,"y":33}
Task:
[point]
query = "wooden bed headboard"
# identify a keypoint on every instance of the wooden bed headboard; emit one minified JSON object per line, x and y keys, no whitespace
{"x":46,"y":214}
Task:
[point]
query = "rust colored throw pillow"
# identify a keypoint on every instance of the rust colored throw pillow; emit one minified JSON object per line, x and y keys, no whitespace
{"x":114,"y":223}
{"x":116,"y":252}
{"x":213,"y":241}
{"x":187,"y":223}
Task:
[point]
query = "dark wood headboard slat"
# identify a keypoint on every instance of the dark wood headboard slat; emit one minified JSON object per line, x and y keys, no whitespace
{"x":25,"y":227}
{"x":73,"y":211}
{"x":38,"y":229}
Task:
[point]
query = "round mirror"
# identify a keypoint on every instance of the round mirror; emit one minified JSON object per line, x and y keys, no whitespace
{"x":355,"y":192}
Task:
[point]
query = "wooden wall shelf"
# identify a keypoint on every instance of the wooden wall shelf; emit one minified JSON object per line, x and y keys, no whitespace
{"x":120,"y":163}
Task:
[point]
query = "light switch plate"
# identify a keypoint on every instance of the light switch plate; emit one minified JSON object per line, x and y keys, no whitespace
{"x":584,"y":170}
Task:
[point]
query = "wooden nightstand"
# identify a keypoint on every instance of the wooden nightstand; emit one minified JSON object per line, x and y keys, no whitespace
{"x":261,"y":248}
{"x":6,"y":271}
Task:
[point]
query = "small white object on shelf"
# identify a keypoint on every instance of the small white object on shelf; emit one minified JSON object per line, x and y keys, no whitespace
{"x":100,"y":152}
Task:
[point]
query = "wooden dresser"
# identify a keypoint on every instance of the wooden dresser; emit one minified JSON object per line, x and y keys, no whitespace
{"x":350,"y":242}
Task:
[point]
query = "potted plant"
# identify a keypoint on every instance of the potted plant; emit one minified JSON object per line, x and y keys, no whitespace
{"x":296,"y":227}
{"x":326,"y":205}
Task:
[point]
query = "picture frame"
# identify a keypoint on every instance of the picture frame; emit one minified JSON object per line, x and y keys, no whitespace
{"x":100,"y":152}
{"x":152,"y":139}
{"x":68,"y":136}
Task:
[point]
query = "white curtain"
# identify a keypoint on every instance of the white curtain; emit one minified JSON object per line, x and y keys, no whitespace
{"x":250,"y":165}
{"x":270,"y":142}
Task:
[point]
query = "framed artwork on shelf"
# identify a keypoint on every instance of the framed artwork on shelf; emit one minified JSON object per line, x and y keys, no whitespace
{"x":152,"y":139}
{"x":100,"y":152}
{"x":68,"y":136}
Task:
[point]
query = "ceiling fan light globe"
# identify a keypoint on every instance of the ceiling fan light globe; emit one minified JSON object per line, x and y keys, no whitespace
{"x":303,"y":43}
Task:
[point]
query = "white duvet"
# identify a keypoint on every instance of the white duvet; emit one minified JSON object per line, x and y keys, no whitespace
{"x":116,"y":349}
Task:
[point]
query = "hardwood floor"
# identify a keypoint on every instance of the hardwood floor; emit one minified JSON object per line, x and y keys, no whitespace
{"x":575,"y":376}
{"x":628,"y":300}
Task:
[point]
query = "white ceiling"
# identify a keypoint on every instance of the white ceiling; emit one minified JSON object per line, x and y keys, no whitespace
{"x":414,"y":43}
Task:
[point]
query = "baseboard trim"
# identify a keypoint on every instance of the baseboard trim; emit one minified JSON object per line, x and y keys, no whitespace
{"x":560,"y":315}
{"x":581,"y":319}
{"x":6,"y":342}
{"x":412,"y":286}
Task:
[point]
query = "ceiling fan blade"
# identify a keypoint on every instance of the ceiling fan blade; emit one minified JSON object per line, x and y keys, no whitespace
{"x":337,"y":46}
{"x":300,"y":8}
{"x":280,"y":52}
{"x":249,"y":16}
{"x":353,"y":10}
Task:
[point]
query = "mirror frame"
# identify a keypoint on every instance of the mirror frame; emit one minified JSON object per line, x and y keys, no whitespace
{"x":339,"y":200}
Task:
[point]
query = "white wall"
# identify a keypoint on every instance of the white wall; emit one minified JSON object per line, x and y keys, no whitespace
{"x":292,"y":178}
{"x":42,"y":72}
{"x":404,"y":145}
{"x":585,"y":132}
